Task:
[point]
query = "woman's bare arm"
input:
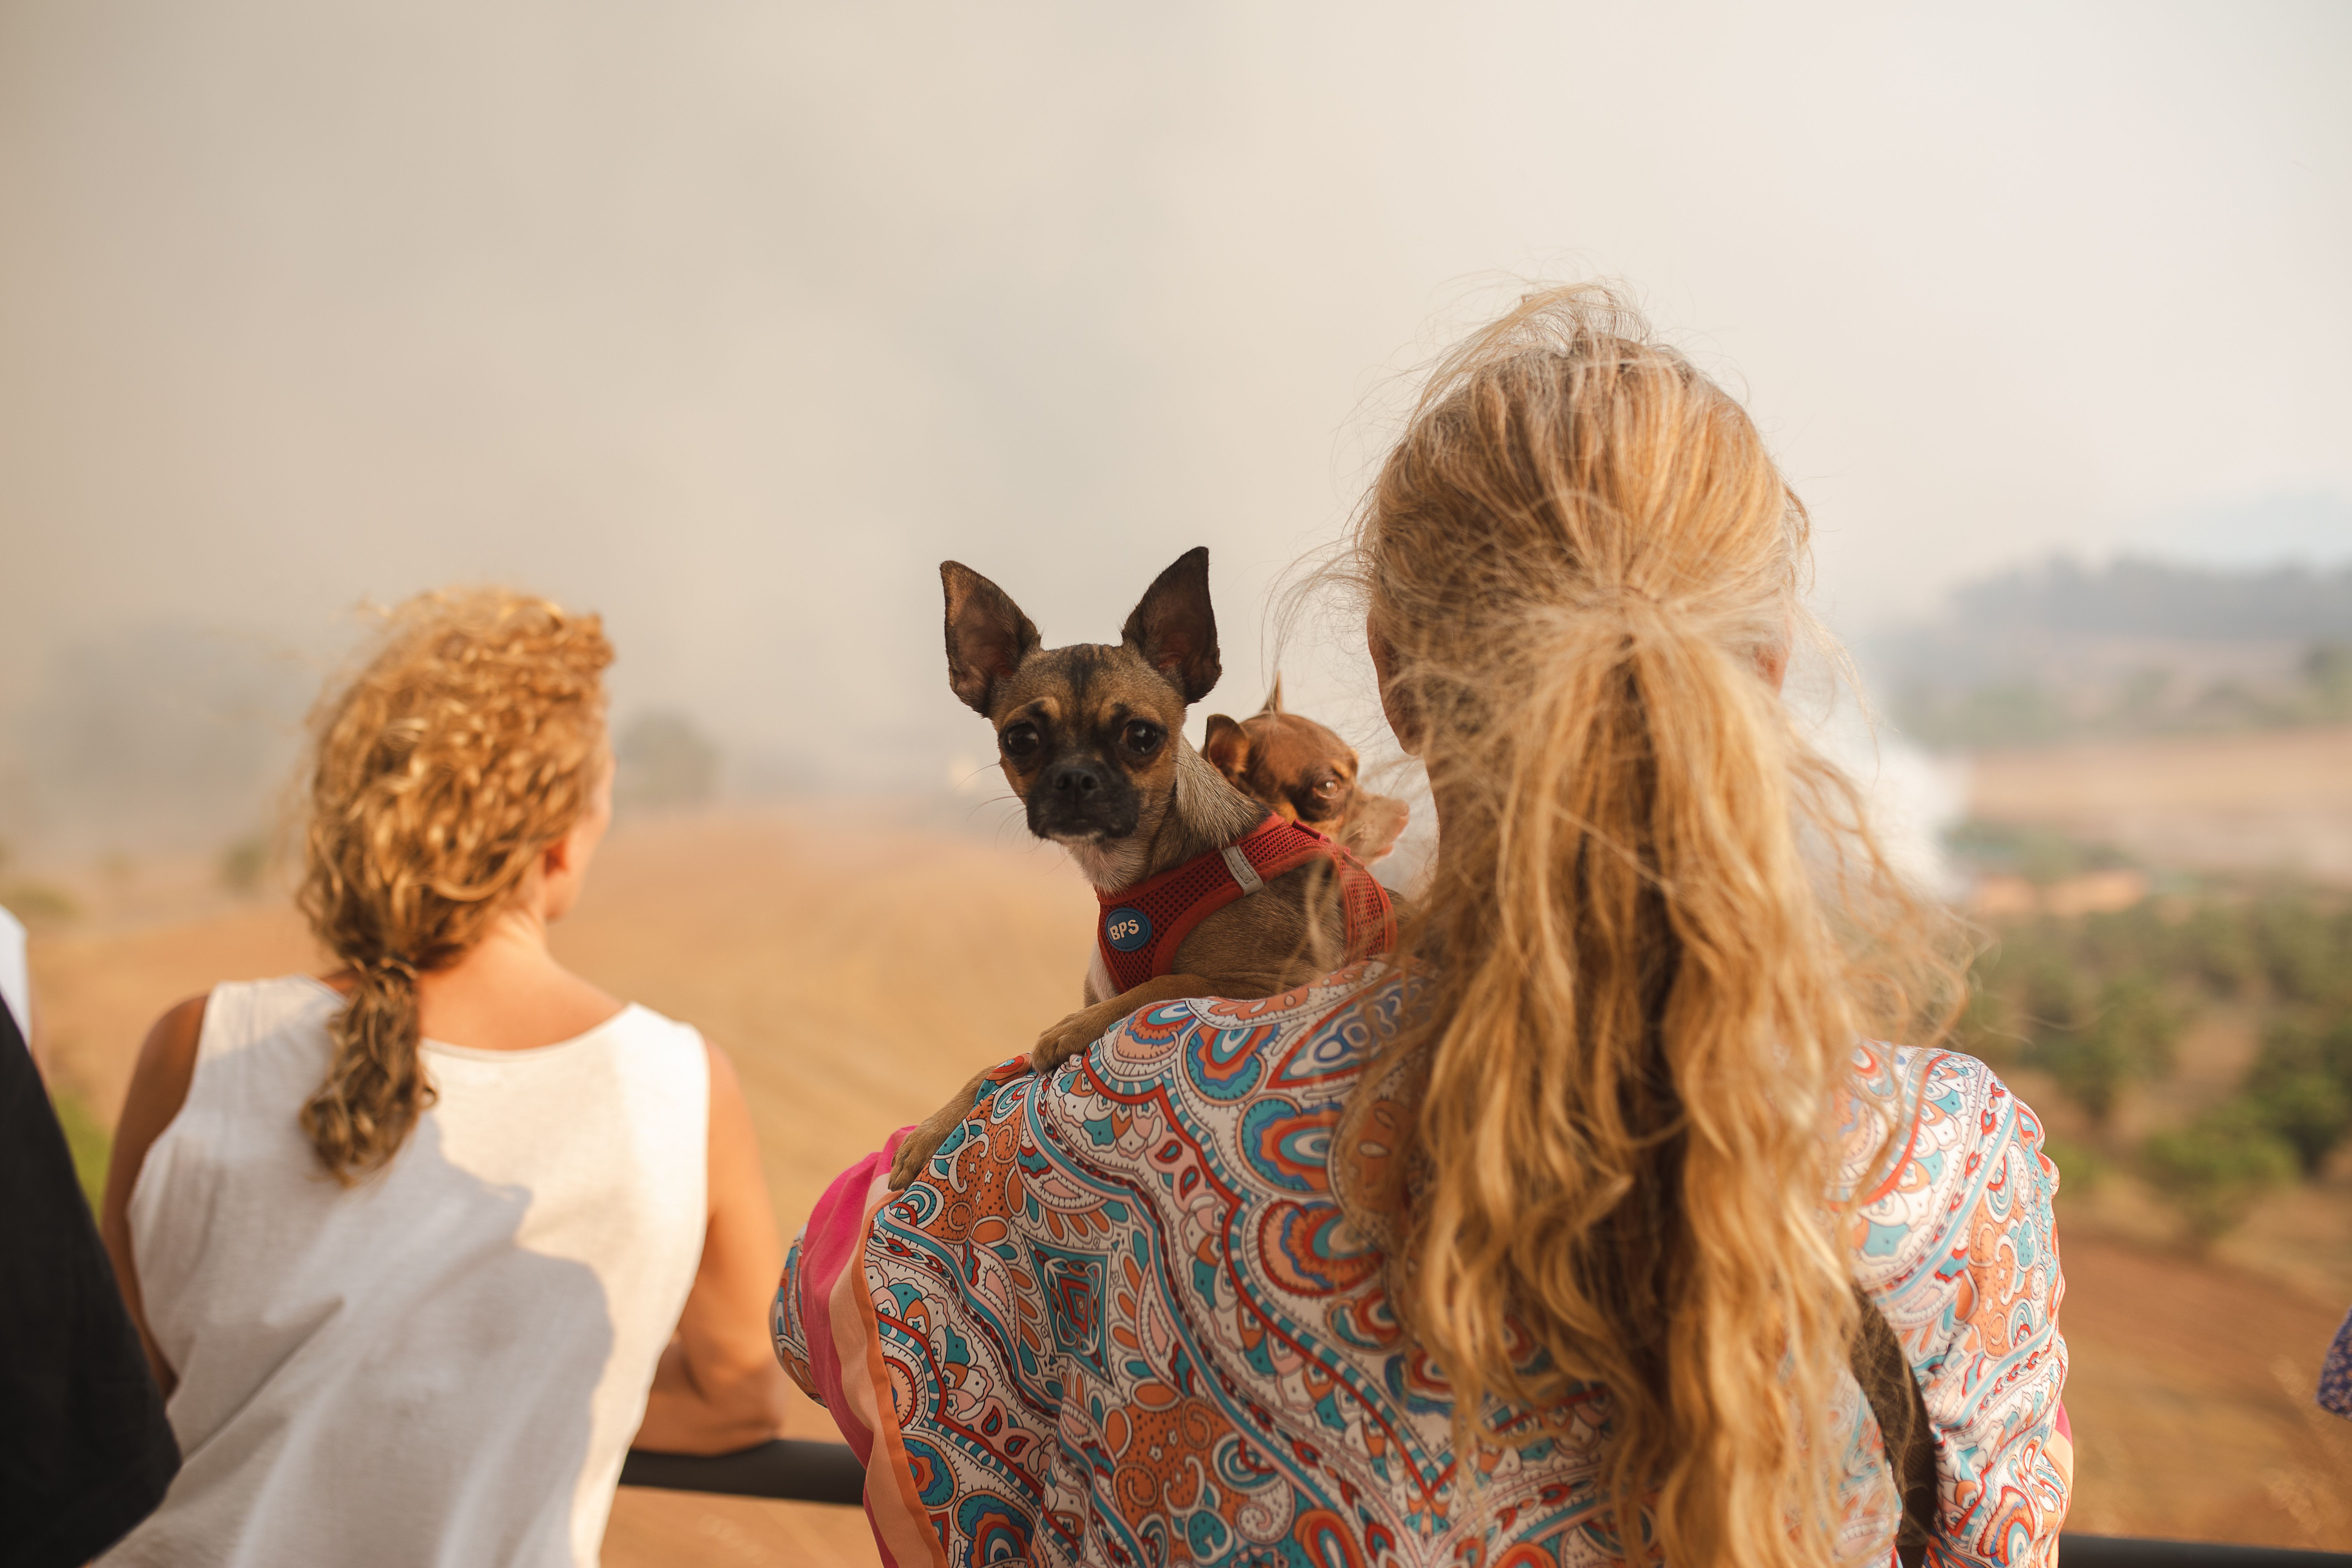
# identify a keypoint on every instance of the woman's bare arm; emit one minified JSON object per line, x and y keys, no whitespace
{"x":159,"y":1087}
{"x":718,"y":1387}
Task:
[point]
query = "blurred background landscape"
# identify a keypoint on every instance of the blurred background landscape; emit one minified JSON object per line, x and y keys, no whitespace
{"x":731,"y":322}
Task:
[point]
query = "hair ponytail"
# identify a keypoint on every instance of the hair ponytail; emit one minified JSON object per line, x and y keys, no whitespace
{"x":375,"y":1087}
{"x":471,"y":741}
{"x":1641,"y":1013}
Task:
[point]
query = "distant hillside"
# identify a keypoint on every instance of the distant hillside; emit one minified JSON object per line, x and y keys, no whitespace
{"x":165,"y":738}
{"x":2139,"y":598}
{"x":2138,"y":647}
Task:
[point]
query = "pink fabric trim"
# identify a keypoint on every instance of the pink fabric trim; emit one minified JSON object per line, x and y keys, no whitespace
{"x":2066,"y":1429}
{"x":844,"y":1349}
{"x":835,"y":1234}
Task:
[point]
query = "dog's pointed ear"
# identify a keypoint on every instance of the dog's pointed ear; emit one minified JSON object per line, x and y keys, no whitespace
{"x":1226,"y":745}
{"x":988,"y":636}
{"x":1273,"y":698}
{"x":1174,"y":628}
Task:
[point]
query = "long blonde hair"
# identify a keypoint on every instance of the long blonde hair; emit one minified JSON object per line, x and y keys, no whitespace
{"x":1644,"y":986}
{"x":471,"y":741}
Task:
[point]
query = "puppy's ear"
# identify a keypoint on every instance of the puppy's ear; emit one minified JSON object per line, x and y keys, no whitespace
{"x":1174,"y":628}
{"x":1227,"y":745}
{"x":1273,"y":698}
{"x":988,"y":636}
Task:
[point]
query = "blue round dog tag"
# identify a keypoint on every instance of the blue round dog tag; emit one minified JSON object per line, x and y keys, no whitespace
{"x":1127,"y":930}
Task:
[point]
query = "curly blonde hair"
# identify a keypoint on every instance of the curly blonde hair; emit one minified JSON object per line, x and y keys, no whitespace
{"x":471,"y":740}
{"x":1656,"y":928}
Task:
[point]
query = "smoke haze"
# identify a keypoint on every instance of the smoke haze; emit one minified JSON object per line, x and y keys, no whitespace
{"x":731,"y":320}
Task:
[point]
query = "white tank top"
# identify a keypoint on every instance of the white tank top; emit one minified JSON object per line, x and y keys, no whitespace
{"x":444,"y":1364}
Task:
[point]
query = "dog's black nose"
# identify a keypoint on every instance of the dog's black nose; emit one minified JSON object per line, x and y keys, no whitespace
{"x":1075,"y":782}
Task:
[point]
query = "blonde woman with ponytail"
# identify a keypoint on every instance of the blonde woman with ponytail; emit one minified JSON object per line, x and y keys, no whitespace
{"x":1574,"y":1233}
{"x":417,"y":1246}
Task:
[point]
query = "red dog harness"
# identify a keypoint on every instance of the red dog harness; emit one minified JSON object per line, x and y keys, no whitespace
{"x":1142,"y":928}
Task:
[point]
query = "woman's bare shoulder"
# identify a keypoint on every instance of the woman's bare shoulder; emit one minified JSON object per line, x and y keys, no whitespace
{"x":166,"y":1065}
{"x":159,"y":1087}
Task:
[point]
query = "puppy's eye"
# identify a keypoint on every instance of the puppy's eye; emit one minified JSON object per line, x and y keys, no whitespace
{"x":1019,"y":741}
{"x":1142,"y":739}
{"x":1329,"y":788}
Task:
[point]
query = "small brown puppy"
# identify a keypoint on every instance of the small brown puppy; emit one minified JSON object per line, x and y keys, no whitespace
{"x":1307,"y":774}
{"x":1091,"y":739}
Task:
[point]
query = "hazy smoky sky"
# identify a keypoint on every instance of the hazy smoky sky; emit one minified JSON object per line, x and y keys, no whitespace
{"x":730,"y":320}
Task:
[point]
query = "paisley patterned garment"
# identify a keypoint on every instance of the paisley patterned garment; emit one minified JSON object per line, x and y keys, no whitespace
{"x":1124,"y":1319}
{"x":2335,"y":1371}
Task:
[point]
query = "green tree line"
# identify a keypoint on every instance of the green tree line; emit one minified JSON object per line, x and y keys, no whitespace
{"x":2099,"y":1003}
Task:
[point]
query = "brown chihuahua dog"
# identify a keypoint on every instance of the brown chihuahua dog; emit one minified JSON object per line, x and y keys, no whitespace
{"x":1205,"y":892}
{"x":1307,"y":774}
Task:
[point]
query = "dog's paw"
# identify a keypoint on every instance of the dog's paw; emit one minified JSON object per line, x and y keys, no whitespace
{"x":914,"y":1156}
{"x":1069,"y":1039}
{"x":909,"y":1162}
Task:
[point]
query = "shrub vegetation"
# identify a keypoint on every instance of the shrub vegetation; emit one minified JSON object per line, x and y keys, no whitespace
{"x":2099,"y":1003}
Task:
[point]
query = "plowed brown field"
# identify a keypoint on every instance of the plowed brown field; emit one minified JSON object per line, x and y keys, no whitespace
{"x":2277,"y":800}
{"x":856,"y":971}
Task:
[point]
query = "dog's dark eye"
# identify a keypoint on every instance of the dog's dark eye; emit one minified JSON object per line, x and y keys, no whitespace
{"x":1019,"y":741}
{"x":1142,"y":739}
{"x":1327,"y":789}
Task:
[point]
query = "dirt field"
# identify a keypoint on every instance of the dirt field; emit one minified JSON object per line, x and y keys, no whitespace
{"x":2190,"y":1383}
{"x":2262,"y":801}
{"x":857,"y":970}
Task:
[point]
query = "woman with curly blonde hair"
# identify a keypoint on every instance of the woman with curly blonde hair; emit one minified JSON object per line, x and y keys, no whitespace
{"x":417,"y":1246}
{"x":1594,"y":1229}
